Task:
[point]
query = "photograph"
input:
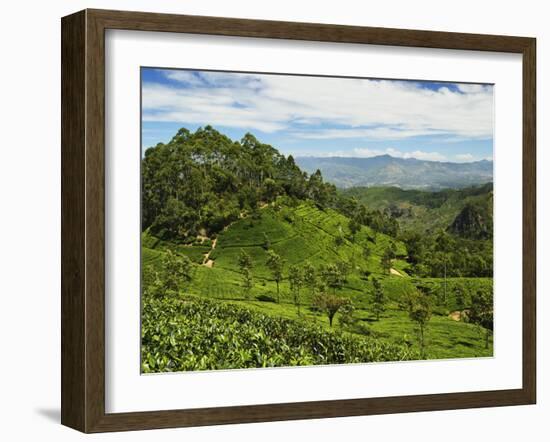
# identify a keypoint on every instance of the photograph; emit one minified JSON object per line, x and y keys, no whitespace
{"x":302,"y":220}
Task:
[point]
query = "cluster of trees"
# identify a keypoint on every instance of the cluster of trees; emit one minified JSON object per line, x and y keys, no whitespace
{"x":203,"y":181}
{"x":170,"y":279}
{"x":447,"y":255}
{"x":330,"y":276}
{"x":198,"y":183}
{"x":475,"y":221}
{"x":359,"y":214}
{"x":322,"y":284}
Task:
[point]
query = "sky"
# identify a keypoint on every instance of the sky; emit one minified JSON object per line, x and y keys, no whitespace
{"x":323,"y":116}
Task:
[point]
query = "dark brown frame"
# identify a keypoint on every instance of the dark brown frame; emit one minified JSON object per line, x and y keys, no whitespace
{"x":83,"y":215}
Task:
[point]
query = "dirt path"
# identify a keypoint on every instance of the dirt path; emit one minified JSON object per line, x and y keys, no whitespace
{"x":455,"y":316}
{"x":395,"y":272}
{"x":207,"y":261}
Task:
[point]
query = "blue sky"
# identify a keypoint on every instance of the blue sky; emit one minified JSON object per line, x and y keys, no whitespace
{"x":320,"y":116}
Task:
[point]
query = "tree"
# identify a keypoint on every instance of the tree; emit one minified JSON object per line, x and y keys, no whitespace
{"x":310,"y":277}
{"x":296,"y":279}
{"x":415,"y":247}
{"x":245,"y":264}
{"x":444,"y":245}
{"x":346,"y":317}
{"x":378,"y":299}
{"x":367,"y":252}
{"x":275,"y":263}
{"x":152,"y":283}
{"x":344,"y":268}
{"x":176,"y":271}
{"x":387,"y":260}
{"x":270,"y":189}
{"x":354,"y":226}
{"x":330,"y":304}
{"x":248,"y":282}
{"x":267,"y":243}
{"x":332,"y":277}
{"x":481,"y":312}
{"x":460,"y":299}
{"x":420,"y":312}
{"x":175,"y":221}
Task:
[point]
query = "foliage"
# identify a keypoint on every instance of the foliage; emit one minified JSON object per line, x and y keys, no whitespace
{"x":278,"y":229}
{"x":204,"y":180}
{"x":310,"y":277}
{"x":332,"y":276}
{"x":420,"y":312}
{"x":296,"y":280}
{"x":245,"y":264}
{"x":330,"y":304}
{"x":466,"y":214}
{"x":275,"y":264}
{"x":197,"y":334}
{"x":481,"y":312}
{"x":378,"y":299}
{"x":172,"y":276}
{"x":346,"y":314}
{"x":267,"y":242}
{"x":386,"y":260}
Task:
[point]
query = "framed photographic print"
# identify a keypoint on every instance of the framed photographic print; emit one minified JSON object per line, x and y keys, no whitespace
{"x":267,"y":220}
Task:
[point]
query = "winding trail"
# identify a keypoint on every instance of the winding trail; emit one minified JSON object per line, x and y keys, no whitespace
{"x":395,"y":272}
{"x":207,"y":261}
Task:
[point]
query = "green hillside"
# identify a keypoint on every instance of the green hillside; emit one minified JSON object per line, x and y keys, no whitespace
{"x":423,"y":211}
{"x":309,"y":236}
{"x":235,"y":230}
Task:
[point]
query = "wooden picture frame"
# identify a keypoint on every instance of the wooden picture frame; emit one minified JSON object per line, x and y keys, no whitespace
{"x":83,"y":220}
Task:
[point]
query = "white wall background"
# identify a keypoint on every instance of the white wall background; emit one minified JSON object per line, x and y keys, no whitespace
{"x":30,"y":217}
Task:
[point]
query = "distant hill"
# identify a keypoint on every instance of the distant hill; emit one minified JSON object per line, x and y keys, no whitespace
{"x":467,"y":212}
{"x":385,"y":170}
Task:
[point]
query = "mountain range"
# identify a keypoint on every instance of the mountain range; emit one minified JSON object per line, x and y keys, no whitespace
{"x":406,"y":173}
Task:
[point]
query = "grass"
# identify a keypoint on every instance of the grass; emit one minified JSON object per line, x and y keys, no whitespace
{"x":308,"y":234}
{"x":151,"y":244}
{"x":423,"y":211}
{"x":191,"y":333}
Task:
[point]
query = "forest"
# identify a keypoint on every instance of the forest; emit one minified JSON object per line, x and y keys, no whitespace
{"x":249,"y":262}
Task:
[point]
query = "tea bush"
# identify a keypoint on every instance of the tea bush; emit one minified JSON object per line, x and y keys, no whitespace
{"x":198,"y":334}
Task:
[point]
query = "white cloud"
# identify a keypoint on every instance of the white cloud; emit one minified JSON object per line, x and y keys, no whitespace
{"x":186,"y":77}
{"x":367,"y":109}
{"x":468,"y":88}
{"x":464,"y":157}
{"x":378,"y":133}
{"x":418,"y":154}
